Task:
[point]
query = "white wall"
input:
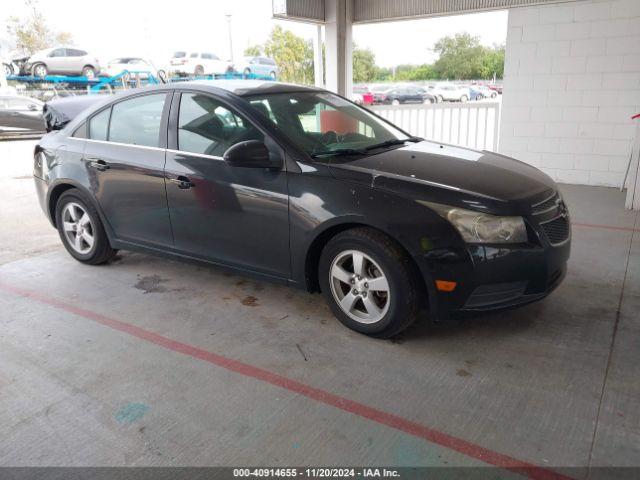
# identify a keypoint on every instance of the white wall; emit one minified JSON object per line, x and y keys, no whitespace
{"x":572,"y":82}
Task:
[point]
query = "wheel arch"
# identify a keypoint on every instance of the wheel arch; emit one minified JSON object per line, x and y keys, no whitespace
{"x":314,"y":251}
{"x":63,"y":185}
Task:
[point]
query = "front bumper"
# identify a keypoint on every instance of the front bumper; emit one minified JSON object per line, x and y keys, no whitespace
{"x":495,"y":277}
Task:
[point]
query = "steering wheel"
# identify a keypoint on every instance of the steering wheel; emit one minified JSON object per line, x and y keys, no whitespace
{"x":329,"y":137}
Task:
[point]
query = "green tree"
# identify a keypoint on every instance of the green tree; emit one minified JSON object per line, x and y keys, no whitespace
{"x":293,"y":55}
{"x":253,"y":51}
{"x":31,"y":32}
{"x":364,"y":65}
{"x":460,"y":57}
{"x":493,"y":62}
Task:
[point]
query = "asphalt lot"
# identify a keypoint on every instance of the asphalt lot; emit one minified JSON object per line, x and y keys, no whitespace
{"x":147,"y":361}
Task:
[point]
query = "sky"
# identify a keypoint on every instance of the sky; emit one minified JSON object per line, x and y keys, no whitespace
{"x":156,"y":29}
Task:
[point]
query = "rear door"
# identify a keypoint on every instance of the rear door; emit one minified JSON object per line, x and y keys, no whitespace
{"x":125,"y":157}
{"x":229,"y":214}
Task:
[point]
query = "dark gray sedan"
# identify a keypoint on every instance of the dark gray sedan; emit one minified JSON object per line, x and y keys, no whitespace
{"x":20,"y":114}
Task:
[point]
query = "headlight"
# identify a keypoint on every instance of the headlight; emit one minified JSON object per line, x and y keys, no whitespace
{"x":478,"y":227}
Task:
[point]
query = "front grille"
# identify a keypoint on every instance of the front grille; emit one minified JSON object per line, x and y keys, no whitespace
{"x":556,"y":230}
{"x":546,"y":205}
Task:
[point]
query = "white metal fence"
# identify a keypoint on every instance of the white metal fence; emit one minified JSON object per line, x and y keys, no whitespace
{"x":474,"y":125}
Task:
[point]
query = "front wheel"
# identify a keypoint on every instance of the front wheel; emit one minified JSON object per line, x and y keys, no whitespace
{"x":272,"y":75}
{"x":81,"y":230}
{"x":395,"y":101}
{"x":39,"y":70}
{"x":369,"y":283}
{"x":463,"y":99}
{"x":8,"y":69}
{"x":199,"y":71}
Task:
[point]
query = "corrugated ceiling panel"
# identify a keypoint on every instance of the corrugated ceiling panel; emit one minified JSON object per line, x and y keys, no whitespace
{"x":308,"y":10}
{"x":381,"y":10}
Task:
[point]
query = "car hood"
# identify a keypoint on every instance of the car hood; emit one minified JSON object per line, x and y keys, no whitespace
{"x":448,"y":174}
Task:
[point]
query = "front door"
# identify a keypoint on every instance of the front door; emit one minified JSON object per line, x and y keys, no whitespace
{"x":124,"y":157}
{"x":228,"y":214}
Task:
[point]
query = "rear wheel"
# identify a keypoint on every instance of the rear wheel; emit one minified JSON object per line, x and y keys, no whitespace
{"x":199,"y":70}
{"x":8,"y":69}
{"x":81,"y":230}
{"x":463,"y":99}
{"x":273,"y":75}
{"x":89,"y":72}
{"x":369,"y":282}
{"x":439,"y":99}
{"x":395,"y":101}
{"x":247,"y":71}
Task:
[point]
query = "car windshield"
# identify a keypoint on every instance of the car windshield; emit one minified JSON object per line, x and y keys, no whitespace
{"x":179,"y":54}
{"x":323,"y":124}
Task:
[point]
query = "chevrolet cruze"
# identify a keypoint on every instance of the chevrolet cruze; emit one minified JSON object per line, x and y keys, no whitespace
{"x":300,"y":186}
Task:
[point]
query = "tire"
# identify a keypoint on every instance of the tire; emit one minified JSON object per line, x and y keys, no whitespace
{"x":246,"y":71}
{"x":272,"y":75}
{"x":8,"y":69}
{"x":393,"y":310}
{"x":427,"y":100}
{"x":395,"y":101}
{"x":494,"y":95}
{"x":479,"y":97}
{"x":89,"y":72}
{"x":463,"y":99}
{"x":198,"y":71}
{"x":39,"y":70}
{"x":162,"y":76}
{"x":95,"y":253}
{"x":439,"y":99}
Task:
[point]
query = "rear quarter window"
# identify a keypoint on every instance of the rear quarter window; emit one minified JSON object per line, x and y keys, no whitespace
{"x":99,"y":125}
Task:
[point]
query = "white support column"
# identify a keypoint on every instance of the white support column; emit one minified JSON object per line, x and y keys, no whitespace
{"x":633,"y":175}
{"x":339,"y":46}
{"x":318,"y":67}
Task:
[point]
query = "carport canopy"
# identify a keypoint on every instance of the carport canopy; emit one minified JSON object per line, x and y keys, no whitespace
{"x":338,"y":17}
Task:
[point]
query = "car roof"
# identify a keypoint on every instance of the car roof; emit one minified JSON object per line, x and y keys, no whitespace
{"x":250,"y":87}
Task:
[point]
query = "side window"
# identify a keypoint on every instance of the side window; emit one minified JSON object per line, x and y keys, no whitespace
{"x":99,"y":125}
{"x":81,"y":131}
{"x":137,"y":121}
{"x":207,"y":127}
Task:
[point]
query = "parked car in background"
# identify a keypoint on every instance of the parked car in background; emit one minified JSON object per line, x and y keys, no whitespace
{"x":62,"y":61}
{"x":133,"y":64}
{"x":404,"y":94}
{"x":495,"y":87}
{"x":480,"y":92}
{"x":20,"y":114}
{"x":362,"y":95}
{"x":198,"y":63}
{"x":263,"y":66}
{"x":449,"y":92}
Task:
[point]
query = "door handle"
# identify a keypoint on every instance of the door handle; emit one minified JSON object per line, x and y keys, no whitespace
{"x":182,"y":182}
{"x":98,"y":164}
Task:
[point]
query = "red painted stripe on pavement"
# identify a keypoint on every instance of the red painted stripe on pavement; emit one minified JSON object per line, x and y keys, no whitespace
{"x":356,"y":408}
{"x":605,"y":227}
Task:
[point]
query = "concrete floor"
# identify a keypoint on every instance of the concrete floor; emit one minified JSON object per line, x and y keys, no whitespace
{"x":133,"y":363}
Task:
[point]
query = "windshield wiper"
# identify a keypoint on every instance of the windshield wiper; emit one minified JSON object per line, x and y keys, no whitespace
{"x":392,"y":142}
{"x":339,"y":151}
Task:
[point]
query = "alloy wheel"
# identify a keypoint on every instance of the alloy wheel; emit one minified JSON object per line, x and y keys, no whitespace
{"x":359,"y":286}
{"x":40,"y":71}
{"x":78,"y":228}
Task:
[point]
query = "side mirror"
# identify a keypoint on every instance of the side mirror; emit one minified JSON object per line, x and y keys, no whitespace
{"x":250,"y":153}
